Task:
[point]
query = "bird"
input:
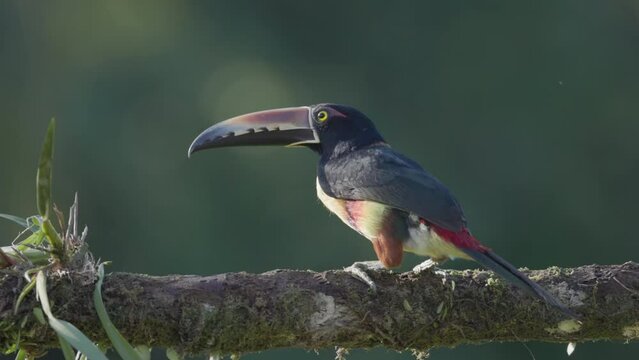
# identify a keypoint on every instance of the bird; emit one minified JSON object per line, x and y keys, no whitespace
{"x":380,"y":193}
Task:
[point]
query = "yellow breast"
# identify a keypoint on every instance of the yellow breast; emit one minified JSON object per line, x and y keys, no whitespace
{"x":362,"y":216}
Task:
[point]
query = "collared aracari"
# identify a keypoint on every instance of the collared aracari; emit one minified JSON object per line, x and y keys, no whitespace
{"x":383,"y":195}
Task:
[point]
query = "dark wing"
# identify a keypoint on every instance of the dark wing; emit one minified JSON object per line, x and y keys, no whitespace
{"x":380,"y":174}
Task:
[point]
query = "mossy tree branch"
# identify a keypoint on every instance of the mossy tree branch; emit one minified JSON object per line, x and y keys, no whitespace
{"x":240,"y":312}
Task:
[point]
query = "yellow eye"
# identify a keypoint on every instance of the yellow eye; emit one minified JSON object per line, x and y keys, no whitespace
{"x":322,"y":115}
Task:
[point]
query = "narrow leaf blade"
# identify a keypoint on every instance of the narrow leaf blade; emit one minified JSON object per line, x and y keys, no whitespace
{"x":25,"y":291}
{"x":53,"y":236}
{"x":76,"y":338}
{"x":45,"y":170}
{"x":34,"y":222}
{"x":41,"y":289}
{"x":18,"y":220}
{"x":67,"y":350}
{"x":144,"y":352}
{"x":39,"y":315}
{"x":63,"y":329}
{"x":34,"y":239}
{"x":124,"y":349}
{"x":171,"y":354}
{"x":22,"y":355}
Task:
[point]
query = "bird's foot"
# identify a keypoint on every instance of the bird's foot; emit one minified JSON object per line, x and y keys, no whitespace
{"x":429,"y":264}
{"x":358,"y":271}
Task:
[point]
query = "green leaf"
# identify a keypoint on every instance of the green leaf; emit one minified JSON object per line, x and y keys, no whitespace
{"x":76,"y":338}
{"x":54,"y":238}
{"x":25,"y":291}
{"x":172,"y":354}
{"x":18,"y":220}
{"x":43,"y":189}
{"x":45,"y":170}
{"x":34,"y":222}
{"x":22,"y":355}
{"x":35,"y":256}
{"x":67,"y":350}
{"x":144,"y":352}
{"x":64,"y":329}
{"x":39,"y":315}
{"x":124,"y":349}
{"x":34,"y":239}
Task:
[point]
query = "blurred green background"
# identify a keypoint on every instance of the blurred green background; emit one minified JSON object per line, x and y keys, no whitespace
{"x":529,"y":112}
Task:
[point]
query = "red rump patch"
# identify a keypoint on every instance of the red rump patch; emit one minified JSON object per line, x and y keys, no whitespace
{"x":462,"y":239}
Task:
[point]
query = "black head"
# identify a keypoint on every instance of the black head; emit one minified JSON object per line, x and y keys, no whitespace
{"x":341,"y":128}
{"x":329,"y":129}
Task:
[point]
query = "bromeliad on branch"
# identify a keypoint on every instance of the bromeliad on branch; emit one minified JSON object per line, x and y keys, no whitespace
{"x":383,"y":195}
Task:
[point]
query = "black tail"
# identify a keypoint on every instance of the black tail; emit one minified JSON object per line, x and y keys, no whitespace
{"x":504,"y":269}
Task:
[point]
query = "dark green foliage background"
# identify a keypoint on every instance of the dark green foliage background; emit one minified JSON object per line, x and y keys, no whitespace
{"x":529,"y":112}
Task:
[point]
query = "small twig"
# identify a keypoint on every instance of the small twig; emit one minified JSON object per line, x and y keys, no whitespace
{"x":72,"y":227}
{"x":525,"y":346}
{"x":76,"y":205}
{"x":85,"y":232}
{"x":624,"y":286}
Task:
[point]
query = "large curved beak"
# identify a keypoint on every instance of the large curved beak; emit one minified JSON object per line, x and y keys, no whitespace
{"x":287,"y":126}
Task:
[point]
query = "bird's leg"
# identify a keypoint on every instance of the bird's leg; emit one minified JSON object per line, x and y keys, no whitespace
{"x":358,"y":271}
{"x":428,"y":264}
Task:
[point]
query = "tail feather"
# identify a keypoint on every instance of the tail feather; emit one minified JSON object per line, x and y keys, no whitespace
{"x":507,"y":271}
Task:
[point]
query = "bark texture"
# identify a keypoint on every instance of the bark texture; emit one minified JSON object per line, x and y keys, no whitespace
{"x":240,"y":312}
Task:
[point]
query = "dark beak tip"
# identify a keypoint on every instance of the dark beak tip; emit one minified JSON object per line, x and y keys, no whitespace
{"x":190,"y":151}
{"x":195,"y":147}
{"x":201,"y":142}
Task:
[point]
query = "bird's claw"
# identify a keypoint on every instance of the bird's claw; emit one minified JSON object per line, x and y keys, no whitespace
{"x":429,"y":264}
{"x":358,"y":271}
